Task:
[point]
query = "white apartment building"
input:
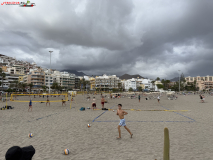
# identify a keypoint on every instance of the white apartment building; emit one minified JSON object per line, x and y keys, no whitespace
{"x":107,"y":82}
{"x":16,"y":69}
{"x":64,"y":79}
{"x":8,"y":80}
{"x":135,"y":83}
{"x":49,"y":78}
{"x":148,"y":85}
{"x":130,"y":83}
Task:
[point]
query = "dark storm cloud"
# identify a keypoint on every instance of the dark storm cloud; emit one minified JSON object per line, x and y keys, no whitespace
{"x":151,"y":38}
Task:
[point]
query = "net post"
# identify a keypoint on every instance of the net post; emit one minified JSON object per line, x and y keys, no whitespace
{"x":6,"y":100}
{"x":11,"y":97}
{"x":71,"y":102}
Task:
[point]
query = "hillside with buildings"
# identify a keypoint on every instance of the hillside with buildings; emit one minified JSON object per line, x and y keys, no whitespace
{"x":20,"y":75}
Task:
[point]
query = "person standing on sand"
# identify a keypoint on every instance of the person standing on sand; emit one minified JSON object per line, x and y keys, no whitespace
{"x":203,"y":98}
{"x":63,"y":102}
{"x":30,"y":105}
{"x":121,"y":114}
{"x":158,"y":99}
{"x":48,"y":101}
{"x":139,"y":97}
{"x":102,"y":101}
{"x":93,"y":103}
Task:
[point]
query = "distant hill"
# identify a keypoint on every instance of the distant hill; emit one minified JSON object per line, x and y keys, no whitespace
{"x":127,"y":76}
{"x":175,"y":79}
{"x":74,"y":72}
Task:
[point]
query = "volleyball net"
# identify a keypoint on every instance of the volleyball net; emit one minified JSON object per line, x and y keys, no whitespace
{"x":38,"y":97}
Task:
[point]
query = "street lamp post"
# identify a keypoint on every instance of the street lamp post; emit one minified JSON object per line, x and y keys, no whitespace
{"x":179,"y":81}
{"x":49,"y":70}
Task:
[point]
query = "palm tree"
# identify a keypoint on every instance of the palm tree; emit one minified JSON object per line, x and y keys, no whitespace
{"x":44,"y":88}
{"x":167,"y":83}
{"x":87,"y":83}
{"x":130,"y":89}
{"x":30,"y":85}
{"x":157,"y":79}
{"x":82,"y":83}
{"x":153,"y":83}
{"x":23,"y":86}
{"x":54,"y":86}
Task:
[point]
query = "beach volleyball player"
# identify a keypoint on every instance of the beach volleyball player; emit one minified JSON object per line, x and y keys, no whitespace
{"x":93,"y":103}
{"x":121,"y":114}
{"x":30,"y":105}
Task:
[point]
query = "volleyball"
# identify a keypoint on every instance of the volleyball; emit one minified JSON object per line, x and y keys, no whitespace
{"x":30,"y":135}
{"x":113,"y":110}
{"x":66,"y":151}
{"x":89,"y":125}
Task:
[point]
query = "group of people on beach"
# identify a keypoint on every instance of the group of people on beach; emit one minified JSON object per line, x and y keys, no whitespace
{"x":139,"y":98}
{"x":47,"y":102}
{"x":94,"y":102}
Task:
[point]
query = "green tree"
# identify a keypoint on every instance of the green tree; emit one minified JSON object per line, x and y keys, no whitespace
{"x":83,"y":83}
{"x":12,"y":85}
{"x":44,"y":88}
{"x":153,"y":85}
{"x":139,"y":88}
{"x":130,"y":89}
{"x":157,"y":79}
{"x":23,"y":86}
{"x":87,"y":83}
{"x":182,"y":78}
{"x":114,"y":90}
{"x":160,"y":86}
{"x":30,"y":85}
{"x":119,"y":85}
{"x":56,"y":86}
{"x":167,"y":83}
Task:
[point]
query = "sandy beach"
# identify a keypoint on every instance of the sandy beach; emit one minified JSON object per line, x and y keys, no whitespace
{"x":56,"y":128}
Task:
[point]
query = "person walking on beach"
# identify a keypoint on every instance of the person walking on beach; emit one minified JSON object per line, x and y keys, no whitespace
{"x":121,"y":114}
{"x":93,"y":103}
{"x":158,"y":99}
{"x":63,"y":102}
{"x":48,"y":101}
{"x":102,"y":101}
{"x":139,"y":97}
{"x":30,"y":105}
{"x":201,"y":98}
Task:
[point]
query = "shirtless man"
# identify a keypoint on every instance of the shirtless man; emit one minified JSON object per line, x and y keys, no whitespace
{"x":121,"y":114}
{"x":102,"y":101}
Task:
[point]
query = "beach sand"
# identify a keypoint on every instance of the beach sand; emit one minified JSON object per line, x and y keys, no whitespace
{"x":56,"y":128}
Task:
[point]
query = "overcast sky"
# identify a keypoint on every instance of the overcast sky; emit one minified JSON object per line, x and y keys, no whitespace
{"x":153,"y":38}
